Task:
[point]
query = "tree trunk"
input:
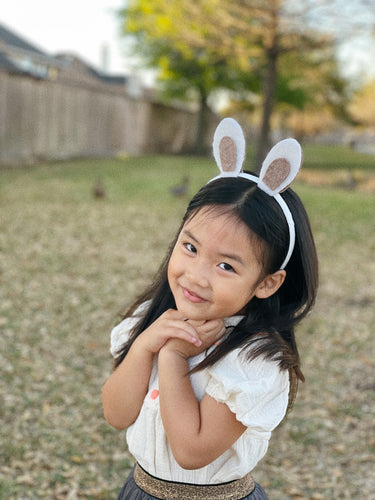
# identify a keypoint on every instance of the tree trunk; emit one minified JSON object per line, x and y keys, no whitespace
{"x":199,"y":142}
{"x":269,"y":85}
{"x":269,"y":88}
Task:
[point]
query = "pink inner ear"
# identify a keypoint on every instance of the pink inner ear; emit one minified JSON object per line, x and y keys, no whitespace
{"x":228,"y":153}
{"x":276,"y":173}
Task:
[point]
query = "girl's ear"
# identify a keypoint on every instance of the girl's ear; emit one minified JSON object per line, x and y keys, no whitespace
{"x":270,"y":284}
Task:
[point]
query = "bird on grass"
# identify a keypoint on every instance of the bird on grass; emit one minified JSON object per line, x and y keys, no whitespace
{"x":181,"y":188}
{"x":98,"y":190}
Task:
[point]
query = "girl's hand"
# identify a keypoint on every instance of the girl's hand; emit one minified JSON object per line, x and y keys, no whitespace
{"x":209,"y":332}
{"x":170,"y":325}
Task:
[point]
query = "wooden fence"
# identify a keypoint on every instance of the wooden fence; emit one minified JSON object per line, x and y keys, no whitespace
{"x":42,"y":120}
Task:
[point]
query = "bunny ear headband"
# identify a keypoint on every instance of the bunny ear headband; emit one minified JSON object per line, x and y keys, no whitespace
{"x":278,"y":170}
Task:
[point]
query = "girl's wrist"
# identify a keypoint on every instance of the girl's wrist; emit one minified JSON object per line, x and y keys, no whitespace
{"x":175,"y":347}
{"x":140,"y":346}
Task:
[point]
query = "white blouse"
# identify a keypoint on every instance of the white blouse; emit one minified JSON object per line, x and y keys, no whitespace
{"x":256,"y":391}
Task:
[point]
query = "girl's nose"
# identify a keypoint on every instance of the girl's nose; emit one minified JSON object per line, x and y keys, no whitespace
{"x":198,"y":274}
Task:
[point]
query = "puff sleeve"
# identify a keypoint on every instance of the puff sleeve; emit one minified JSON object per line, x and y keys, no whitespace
{"x":255,"y":391}
{"x":120,"y":333}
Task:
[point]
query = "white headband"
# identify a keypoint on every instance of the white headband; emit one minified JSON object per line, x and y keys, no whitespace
{"x":278,"y":170}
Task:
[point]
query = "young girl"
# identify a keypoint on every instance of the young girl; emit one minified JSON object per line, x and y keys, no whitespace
{"x":206,"y":359}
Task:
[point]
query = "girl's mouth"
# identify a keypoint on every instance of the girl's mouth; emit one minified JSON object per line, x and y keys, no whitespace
{"x":193,"y":297}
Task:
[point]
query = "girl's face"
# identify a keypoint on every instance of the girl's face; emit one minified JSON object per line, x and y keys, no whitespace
{"x":214,"y":271}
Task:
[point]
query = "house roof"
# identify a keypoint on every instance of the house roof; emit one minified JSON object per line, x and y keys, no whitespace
{"x":74,"y":68}
{"x":9,"y":38}
{"x":7,"y":64}
{"x":22,"y":57}
{"x":15,"y":50}
{"x":114,"y":79}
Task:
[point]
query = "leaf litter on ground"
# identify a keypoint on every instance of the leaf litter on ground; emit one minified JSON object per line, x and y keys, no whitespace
{"x":69,"y":264}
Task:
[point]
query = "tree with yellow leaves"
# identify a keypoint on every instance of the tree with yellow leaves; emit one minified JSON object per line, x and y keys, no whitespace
{"x":230,"y":44}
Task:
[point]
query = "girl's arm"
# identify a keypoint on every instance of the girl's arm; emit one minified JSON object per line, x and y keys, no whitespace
{"x":198,"y":432}
{"x":124,"y":391}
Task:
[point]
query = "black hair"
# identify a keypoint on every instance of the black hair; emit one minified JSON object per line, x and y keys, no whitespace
{"x":276,"y":316}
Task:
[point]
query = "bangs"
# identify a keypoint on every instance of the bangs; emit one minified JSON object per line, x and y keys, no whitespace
{"x":258,"y":245}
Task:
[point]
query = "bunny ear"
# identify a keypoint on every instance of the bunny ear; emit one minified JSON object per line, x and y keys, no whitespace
{"x":280,"y":167}
{"x":229,"y":147}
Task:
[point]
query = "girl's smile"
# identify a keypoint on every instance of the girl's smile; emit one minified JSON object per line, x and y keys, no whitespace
{"x":193,"y":297}
{"x":213,"y":271}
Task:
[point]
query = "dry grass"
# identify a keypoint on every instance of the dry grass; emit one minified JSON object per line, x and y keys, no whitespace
{"x":69,"y":263}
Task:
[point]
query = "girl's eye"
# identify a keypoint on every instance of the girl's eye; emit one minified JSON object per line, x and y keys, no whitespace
{"x":226,"y":267}
{"x":190,"y":248}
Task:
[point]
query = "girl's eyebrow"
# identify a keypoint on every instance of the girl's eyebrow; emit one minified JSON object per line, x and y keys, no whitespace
{"x":230,"y":256}
{"x":190,"y":235}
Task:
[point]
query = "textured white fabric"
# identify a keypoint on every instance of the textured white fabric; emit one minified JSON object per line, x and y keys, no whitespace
{"x":120,"y":333}
{"x":256,"y":391}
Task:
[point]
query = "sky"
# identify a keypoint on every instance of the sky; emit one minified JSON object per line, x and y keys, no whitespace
{"x":90,"y":28}
{"x":87,"y":28}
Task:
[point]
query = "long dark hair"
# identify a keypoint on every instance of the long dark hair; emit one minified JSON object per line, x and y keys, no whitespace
{"x":275,"y":316}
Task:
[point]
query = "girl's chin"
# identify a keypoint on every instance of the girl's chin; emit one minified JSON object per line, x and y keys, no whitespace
{"x":192,"y":313}
{"x":194,"y":317}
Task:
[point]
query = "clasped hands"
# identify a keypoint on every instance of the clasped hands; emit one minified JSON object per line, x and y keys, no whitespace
{"x":208,"y":333}
{"x":185,"y":337}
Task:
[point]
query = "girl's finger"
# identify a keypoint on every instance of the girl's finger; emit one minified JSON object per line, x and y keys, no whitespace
{"x":211,"y":326}
{"x":221,"y":333}
{"x":195,"y":323}
{"x":184,"y":331}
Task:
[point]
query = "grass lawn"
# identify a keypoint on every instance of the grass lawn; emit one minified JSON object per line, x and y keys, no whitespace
{"x":69,"y":263}
{"x":331,"y":157}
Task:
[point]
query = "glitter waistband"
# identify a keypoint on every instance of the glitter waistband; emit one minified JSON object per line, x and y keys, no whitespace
{"x":169,"y":490}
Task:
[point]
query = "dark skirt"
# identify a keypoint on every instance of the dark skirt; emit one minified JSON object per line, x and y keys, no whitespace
{"x":130,"y":491}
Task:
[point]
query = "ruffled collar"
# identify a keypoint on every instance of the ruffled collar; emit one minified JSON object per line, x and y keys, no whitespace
{"x":232,"y":321}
